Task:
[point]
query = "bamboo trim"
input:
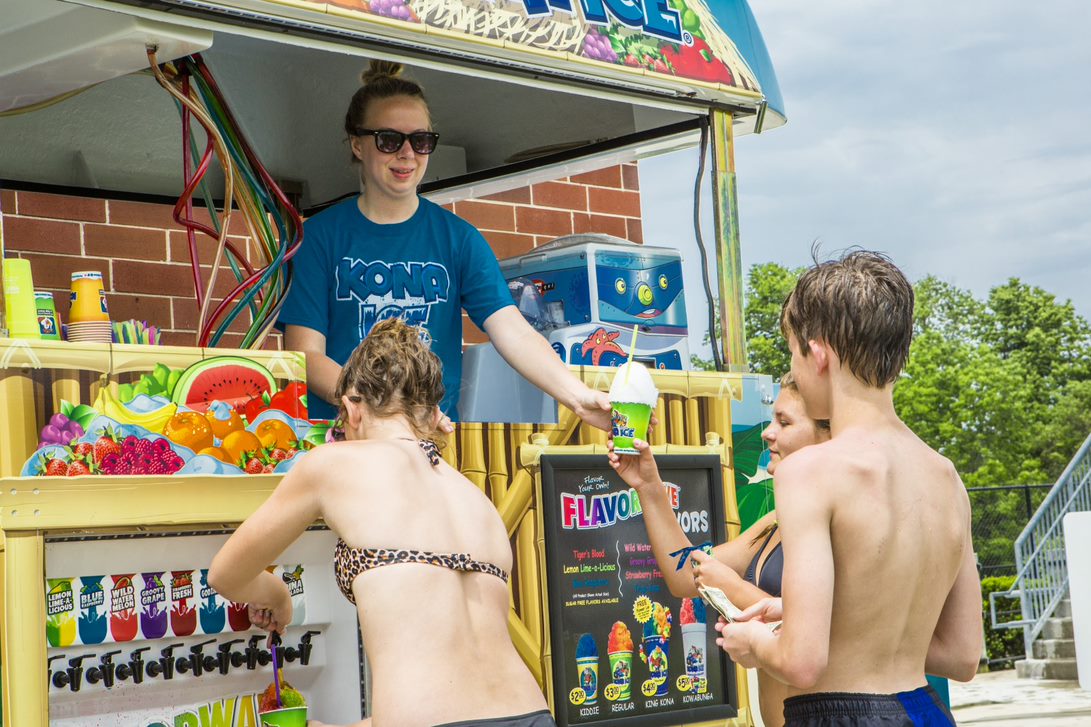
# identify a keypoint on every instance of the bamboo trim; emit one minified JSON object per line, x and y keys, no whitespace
{"x":23,"y":642}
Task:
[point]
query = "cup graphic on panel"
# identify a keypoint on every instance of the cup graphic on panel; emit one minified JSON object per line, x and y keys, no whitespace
{"x":655,"y":648}
{"x":694,"y":642}
{"x":620,"y":652}
{"x":587,"y":667}
{"x":93,"y":620}
{"x":60,"y":612}
{"x":183,"y":611}
{"x":123,"y":615}
{"x":212,"y":613}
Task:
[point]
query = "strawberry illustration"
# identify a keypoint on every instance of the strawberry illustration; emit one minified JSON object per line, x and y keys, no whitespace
{"x":279,"y":455}
{"x":56,"y":468}
{"x":83,"y":450}
{"x":254,"y":467}
{"x":632,"y":61}
{"x":75,"y":469}
{"x":104,"y":446}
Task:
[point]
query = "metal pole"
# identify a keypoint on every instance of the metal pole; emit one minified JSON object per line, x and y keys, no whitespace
{"x":725,"y":205}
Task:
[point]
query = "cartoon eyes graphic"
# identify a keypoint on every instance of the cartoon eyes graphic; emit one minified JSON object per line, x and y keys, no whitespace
{"x":644,"y":294}
{"x":663,"y":282}
{"x":619,"y":286}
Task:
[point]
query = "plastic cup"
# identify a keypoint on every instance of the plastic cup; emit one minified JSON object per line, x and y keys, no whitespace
{"x":694,"y":643}
{"x":656,"y":650}
{"x":629,"y":422}
{"x":88,"y":301}
{"x":287,"y":717}
{"x":48,"y":326}
{"x":19,"y":299}
{"x":621,"y":672}
{"x":588,"y":669}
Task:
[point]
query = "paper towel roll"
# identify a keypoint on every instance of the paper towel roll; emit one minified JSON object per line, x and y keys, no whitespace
{"x":22,"y":314}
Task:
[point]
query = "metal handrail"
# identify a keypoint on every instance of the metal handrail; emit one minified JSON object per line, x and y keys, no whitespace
{"x":1040,"y":561}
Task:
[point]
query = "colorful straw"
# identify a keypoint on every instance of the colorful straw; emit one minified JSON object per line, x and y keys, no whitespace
{"x":632,"y":350}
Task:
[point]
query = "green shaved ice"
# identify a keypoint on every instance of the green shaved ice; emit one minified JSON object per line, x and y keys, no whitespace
{"x":291,"y":698}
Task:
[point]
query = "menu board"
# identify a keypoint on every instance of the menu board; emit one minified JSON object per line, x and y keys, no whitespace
{"x":626,"y":651}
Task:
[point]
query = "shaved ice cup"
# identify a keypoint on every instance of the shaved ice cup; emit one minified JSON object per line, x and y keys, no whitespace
{"x":588,"y":668}
{"x":694,"y":642}
{"x":287,"y":717}
{"x":629,"y":421}
{"x":621,"y":671}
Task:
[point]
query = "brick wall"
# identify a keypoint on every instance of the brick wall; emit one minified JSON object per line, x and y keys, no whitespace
{"x":145,"y":261}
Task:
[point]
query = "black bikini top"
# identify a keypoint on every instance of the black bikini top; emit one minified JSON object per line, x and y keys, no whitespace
{"x":350,"y":562}
{"x":772,"y":570}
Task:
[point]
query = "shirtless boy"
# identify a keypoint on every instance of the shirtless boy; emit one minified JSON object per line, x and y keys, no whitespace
{"x":879,"y":583}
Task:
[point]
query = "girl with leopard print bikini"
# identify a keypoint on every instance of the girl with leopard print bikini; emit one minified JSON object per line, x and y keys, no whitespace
{"x":421,"y":550}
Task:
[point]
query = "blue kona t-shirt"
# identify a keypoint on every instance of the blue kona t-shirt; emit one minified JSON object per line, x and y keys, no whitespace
{"x":351,"y":273}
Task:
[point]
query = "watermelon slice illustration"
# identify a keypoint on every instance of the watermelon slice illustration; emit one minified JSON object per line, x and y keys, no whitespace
{"x":230,"y":379}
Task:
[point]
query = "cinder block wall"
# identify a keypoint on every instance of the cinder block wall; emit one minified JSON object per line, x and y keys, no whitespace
{"x":144,"y":255}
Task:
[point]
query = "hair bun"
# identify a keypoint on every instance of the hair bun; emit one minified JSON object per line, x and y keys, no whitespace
{"x":380,"y":69}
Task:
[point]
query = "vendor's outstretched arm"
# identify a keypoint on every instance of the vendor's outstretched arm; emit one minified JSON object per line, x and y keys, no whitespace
{"x":529,"y":353}
{"x":322,"y":371}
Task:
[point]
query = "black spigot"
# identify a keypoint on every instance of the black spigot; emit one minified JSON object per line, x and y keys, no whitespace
{"x":166,"y":661}
{"x":225,"y":658}
{"x":305,"y":647}
{"x":196,"y":657}
{"x":136,"y":665}
{"x":104,"y":672}
{"x":265,"y":657}
{"x":252,"y":651}
{"x":75,"y":671}
{"x":59,"y":678}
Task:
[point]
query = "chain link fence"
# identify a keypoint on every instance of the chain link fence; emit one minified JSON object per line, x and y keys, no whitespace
{"x":999,"y":516}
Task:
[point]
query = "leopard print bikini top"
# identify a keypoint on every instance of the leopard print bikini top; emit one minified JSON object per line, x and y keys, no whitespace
{"x":349,"y":562}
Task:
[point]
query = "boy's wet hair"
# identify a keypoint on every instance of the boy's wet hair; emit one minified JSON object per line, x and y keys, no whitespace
{"x":393,"y":371}
{"x":860,"y":304}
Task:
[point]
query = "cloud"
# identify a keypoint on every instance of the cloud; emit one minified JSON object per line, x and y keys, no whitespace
{"x":951,"y":135}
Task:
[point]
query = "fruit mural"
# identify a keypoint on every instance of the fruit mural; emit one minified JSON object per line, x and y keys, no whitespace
{"x":223,"y":415}
{"x":704,"y":52}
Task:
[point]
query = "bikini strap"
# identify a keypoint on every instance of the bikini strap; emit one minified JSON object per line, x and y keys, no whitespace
{"x":429,"y":448}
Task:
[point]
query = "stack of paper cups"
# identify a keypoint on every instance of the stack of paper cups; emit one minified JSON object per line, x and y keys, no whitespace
{"x":19,"y":299}
{"x":88,"y":319}
{"x":48,"y":326}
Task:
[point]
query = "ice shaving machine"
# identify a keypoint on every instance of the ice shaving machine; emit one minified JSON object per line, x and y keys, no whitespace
{"x":584,"y":293}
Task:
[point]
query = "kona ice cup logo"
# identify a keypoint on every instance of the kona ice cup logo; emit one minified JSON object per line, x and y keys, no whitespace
{"x":652,"y":17}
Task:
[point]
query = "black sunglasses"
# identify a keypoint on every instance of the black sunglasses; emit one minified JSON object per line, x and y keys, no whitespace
{"x":389,"y":141}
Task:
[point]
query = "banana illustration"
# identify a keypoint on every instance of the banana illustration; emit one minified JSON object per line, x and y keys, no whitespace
{"x":154,"y":421}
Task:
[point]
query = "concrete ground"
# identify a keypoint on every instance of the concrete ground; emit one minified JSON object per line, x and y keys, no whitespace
{"x":1000,"y":699}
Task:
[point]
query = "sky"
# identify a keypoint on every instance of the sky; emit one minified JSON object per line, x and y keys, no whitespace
{"x":954,"y":136}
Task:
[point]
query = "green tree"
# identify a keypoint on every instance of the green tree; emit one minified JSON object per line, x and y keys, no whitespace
{"x":1049,"y":339}
{"x":767,"y":286}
